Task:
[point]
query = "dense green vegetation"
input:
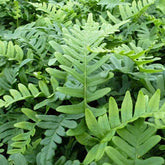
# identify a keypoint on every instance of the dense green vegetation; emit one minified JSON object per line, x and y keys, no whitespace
{"x":82,"y":82}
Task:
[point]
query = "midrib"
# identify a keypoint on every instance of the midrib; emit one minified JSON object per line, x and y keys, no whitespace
{"x":85,"y":78}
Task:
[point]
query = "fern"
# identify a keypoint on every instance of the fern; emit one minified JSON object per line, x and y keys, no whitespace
{"x":147,"y":37}
{"x":109,"y":4}
{"x":17,"y":11}
{"x":32,"y":91}
{"x":137,"y":55}
{"x":33,"y":37}
{"x":101,"y":132}
{"x":12,"y":52}
{"x":62,"y":161}
{"x":57,"y":13}
{"x":8,"y":78}
{"x":22,"y":140}
{"x":7,"y":129}
{"x":69,"y":57}
{"x":150,"y":86}
{"x":15,"y":159}
{"x":133,"y":143}
{"x":84,"y":54}
{"x":135,"y":10}
{"x":55,"y":129}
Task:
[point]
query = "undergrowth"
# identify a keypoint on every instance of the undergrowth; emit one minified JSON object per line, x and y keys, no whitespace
{"x":82,"y":82}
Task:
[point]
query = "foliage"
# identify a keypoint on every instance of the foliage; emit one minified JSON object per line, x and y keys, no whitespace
{"x":82,"y":82}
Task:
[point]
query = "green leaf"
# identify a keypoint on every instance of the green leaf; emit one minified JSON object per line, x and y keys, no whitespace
{"x":71,"y":109}
{"x":92,"y":123}
{"x":114,"y":119}
{"x":30,"y":114}
{"x":133,"y":142}
{"x":3,"y":160}
{"x":75,"y":92}
{"x":18,"y":159}
{"x":91,"y":155}
{"x":24,"y":91}
{"x":25,"y":125}
{"x":44,"y":88}
{"x":153,"y":104}
{"x":126,"y":108}
{"x":98,"y":94}
{"x":33,"y":89}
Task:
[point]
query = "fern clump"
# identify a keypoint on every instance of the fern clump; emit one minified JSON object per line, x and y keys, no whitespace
{"x":82,"y":82}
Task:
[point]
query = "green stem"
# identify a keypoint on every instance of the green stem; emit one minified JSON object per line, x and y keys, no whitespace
{"x":85,"y":80}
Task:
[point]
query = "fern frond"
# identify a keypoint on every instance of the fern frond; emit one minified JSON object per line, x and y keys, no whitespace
{"x":33,"y":37}
{"x":8,"y":78}
{"x":15,"y":158}
{"x":147,"y":37}
{"x":133,"y":143}
{"x":32,"y":91}
{"x":136,"y":9}
{"x":151,"y":86}
{"x":22,"y":140}
{"x":55,"y":129}
{"x":62,"y":161}
{"x":83,"y":50}
{"x":110,"y":4}
{"x":101,"y":131}
{"x":7,"y":129}
{"x":57,"y":13}
{"x":11,"y":51}
{"x":137,"y":55}
{"x":7,"y":132}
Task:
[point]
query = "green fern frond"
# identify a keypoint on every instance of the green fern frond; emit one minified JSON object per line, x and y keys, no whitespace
{"x":23,"y":140}
{"x":7,"y":129}
{"x":83,"y":50}
{"x":151,"y":86}
{"x":32,"y":91}
{"x":15,"y":159}
{"x":101,"y":131}
{"x":33,"y":37}
{"x":110,"y":4}
{"x":136,"y":9}
{"x":137,"y":55}
{"x":11,"y":51}
{"x":8,"y":78}
{"x":62,"y":161}
{"x":55,"y":129}
{"x":133,"y":143}
{"x":57,"y":13}
{"x":7,"y":132}
{"x":147,"y":37}
{"x":159,"y":120}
